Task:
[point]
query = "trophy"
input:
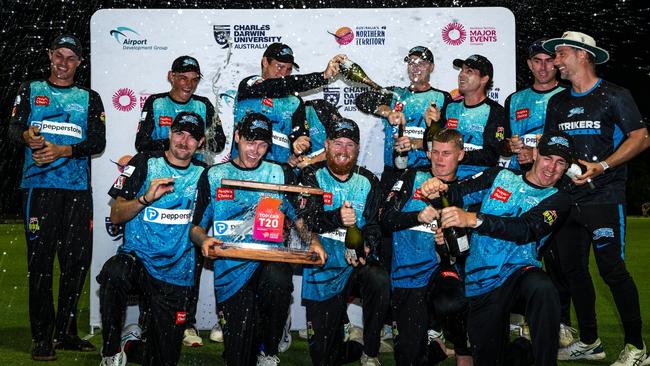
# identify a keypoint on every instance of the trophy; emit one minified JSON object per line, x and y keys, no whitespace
{"x":267,"y":224}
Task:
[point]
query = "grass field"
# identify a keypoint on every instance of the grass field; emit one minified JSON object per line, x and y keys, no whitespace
{"x":15,"y":343}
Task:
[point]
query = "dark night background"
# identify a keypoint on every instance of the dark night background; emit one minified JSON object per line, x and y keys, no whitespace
{"x":619,"y":26}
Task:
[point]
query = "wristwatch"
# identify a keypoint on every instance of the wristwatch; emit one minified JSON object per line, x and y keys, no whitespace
{"x":604,"y":165}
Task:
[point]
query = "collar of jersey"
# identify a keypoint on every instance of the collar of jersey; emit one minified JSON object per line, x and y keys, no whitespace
{"x":574,"y":94}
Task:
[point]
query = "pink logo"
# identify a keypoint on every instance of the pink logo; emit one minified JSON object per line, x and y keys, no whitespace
{"x":124,"y":100}
{"x":454,"y":34}
{"x":343,"y":35}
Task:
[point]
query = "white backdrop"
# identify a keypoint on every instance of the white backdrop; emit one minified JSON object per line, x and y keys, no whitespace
{"x":132,"y":50}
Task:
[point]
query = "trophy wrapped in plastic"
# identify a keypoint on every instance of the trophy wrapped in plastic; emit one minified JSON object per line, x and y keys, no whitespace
{"x":263,"y":232}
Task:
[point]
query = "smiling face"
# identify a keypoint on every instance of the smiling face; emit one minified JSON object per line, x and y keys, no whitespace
{"x":184,"y":84}
{"x":251,"y":152}
{"x":541,"y":65}
{"x":568,"y":61}
{"x":63,"y":65}
{"x":470,"y":80}
{"x":419,"y":70}
{"x":341,"y":155}
{"x":547,"y":170}
{"x":182,"y":146}
{"x":274,"y":69}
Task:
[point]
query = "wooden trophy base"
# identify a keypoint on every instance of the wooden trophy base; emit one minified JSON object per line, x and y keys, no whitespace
{"x":262,"y":252}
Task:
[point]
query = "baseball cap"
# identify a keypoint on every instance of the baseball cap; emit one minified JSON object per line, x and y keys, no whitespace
{"x":256,"y":126}
{"x":556,"y":143}
{"x":67,"y":41}
{"x":578,"y":40}
{"x":186,"y":64}
{"x":280,"y":52}
{"x":477,"y":62}
{"x":536,"y":47}
{"x":343,"y":127}
{"x":189,"y":122}
{"x":421,"y":52}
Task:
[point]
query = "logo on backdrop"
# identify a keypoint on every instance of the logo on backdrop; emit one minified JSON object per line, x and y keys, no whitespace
{"x":494,"y":93}
{"x":372,"y":35}
{"x":332,"y":95}
{"x":131,"y":40}
{"x":350,"y":94}
{"x":245,"y":36}
{"x":454,"y":34}
{"x":221,"y":34}
{"x":124,"y":100}
{"x":115,"y":231}
{"x":343,"y":35}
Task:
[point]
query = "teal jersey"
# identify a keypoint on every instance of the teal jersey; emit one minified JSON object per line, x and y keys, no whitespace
{"x":159,"y":234}
{"x":65,"y":116}
{"x":230,"y":213}
{"x":482,"y":127}
{"x":526,"y":113}
{"x":361,"y":189}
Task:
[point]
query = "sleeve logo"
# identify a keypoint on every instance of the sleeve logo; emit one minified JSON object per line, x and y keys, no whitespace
{"x":549,"y":216}
{"x":500,"y":194}
{"x":119,"y":182}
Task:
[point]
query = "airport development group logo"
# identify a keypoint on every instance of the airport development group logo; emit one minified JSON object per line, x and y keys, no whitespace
{"x":245,"y":36}
{"x":454,"y":34}
{"x":132,"y":40}
{"x":124,"y":100}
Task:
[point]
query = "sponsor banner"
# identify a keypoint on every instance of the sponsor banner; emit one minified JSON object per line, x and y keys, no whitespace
{"x":59,"y":128}
{"x":167,"y":217}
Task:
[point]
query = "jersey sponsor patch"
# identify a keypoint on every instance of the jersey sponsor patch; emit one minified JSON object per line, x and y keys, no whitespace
{"x":59,"y":128}
{"x":522,"y":114}
{"x":42,"y":100}
{"x":529,"y":140}
{"x":280,"y":139}
{"x":226,"y":227}
{"x":414,"y":132}
{"x":500,"y":194}
{"x":472,"y":147}
{"x":119,"y":182}
{"x":167,"y":217}
{"x":452,"y":123}
{"x":165,"y":121}
{"x":268,"y":102}
{"x":338,"y":234}
{"x":225,"y":194}
{"x":418,"y":195}
{"x":549,"y":216}
{"x":181,"y":317}
{"x":327,"y":198}
{"x":426,"y":228}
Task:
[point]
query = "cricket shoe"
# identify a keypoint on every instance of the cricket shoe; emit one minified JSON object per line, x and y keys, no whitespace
{"x":582,"y":351}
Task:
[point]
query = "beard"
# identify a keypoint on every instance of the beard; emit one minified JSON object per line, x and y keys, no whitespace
{"x":337,"y":168}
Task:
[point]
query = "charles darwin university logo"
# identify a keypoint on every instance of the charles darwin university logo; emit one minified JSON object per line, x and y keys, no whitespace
{"x":221,"y":34}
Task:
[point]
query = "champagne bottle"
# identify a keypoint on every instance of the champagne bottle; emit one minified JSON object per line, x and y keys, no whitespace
{"x":354,"y":72}
{"x":432,"y":130}
{"x":354,"y":242}
{"x":578,"y":169}
{"x":455,"y":237}
{"x":400,"y":158}
{"x":505,"y":154}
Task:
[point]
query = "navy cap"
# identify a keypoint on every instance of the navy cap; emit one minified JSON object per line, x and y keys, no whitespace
{"x":556,"y":143}
{"x":421,"y":52}
{"x":477,"y":62}
{"x":256,"y":126}
{"x":186,"y":64}
{"x":280,"y":52}
{"x":67,"y":41}
{"x":536,"y":47}
{"x":343,"y":127}
{"x":189,"y":122}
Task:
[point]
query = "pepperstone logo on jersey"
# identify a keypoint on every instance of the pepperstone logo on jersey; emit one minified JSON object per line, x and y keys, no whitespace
{"x":124,"y":100}
{"x":221,"y":34}
{"x":132,"y":40}
{"x":227,"y":227}
{"x":343,"y":35}
{"x":454,"y":34}
{"x":373,"y":35}
{"x":500,"y":194}
{"x":166,"y":216}
{"x":59,"y":128}
{"x":245,"y":36}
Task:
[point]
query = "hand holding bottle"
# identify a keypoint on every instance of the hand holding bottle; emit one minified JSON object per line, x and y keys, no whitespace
{"x":427,"y":215}
{"x":334,"y":66}
{"x":348,"y":216}
{"x":431,"y":188}
{"x":431,"y":115}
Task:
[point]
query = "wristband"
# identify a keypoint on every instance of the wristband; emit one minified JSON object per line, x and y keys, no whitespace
{"x":604,"y":165}
{"x":144,"y":201}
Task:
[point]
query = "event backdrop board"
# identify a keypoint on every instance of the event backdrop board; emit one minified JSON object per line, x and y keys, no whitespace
{"x":132,"y":51}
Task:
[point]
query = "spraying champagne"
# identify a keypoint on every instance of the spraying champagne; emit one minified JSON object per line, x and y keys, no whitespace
{"x":354,"y":72}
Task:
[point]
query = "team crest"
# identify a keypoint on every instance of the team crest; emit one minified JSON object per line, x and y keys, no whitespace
{"x":33,"y":225}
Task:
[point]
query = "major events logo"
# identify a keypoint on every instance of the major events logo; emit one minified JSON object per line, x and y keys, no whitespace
{"x":131,"y":40}
{"x":245,"y":36}
{"x":456,"y":33}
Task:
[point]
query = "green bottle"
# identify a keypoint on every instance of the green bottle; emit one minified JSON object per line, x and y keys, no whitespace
{"x":354,"y":241}
{"x":455,"y":237}
{"x":354,"y":72}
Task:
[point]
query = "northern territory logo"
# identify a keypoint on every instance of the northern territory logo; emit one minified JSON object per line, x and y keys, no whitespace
{"x":132,"y":40}
{"x":124,"y":100}
{"x":343,"y":35}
